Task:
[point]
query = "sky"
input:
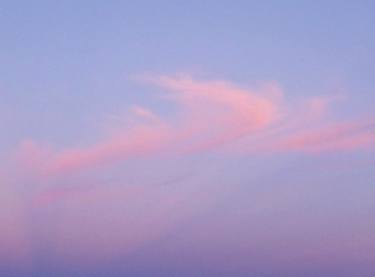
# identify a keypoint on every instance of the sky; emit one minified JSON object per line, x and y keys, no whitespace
{"x":187,"y":138}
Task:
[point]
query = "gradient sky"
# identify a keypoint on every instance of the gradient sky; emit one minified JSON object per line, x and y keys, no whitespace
{"x":187,"y":138}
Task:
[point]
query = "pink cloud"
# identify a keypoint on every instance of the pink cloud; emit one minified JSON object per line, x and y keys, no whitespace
{"x":138,"y":142}
{"x":319,"y":106}
{"x":218,"y":112}
{"x":335,"y":137}
{"x":211,"y":99}
{"x":210,"y":114}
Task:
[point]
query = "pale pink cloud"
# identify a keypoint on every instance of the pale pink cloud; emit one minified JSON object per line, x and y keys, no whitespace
{"x":319,"y":106}
{"x":210,"y":114}
{"x":334,"y":137}
{"x":135,"y":143}
{"x":147,"y":114}
{"x":218,"y":112}
{"x":207,"y":100}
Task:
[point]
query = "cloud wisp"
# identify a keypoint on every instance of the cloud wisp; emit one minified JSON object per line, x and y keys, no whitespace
{"x":216,"y":117}
{"x":211,"y":115}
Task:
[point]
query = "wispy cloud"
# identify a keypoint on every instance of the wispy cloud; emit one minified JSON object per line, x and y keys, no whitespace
{"x":335,"y":137}
{"x":211,"y":114}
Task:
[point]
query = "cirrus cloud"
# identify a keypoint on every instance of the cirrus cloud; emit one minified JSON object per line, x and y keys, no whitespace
{"x":212,"y":114}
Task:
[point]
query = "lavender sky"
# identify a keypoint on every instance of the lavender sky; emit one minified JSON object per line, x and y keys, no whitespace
{"x":187,"y":138}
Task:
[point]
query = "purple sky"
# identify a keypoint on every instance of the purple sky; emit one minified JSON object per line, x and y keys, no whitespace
{"x":187,"y":138}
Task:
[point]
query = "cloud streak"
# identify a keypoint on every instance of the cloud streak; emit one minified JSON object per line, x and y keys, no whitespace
{"x":211,"y":114}
{"x":210,"y":117}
